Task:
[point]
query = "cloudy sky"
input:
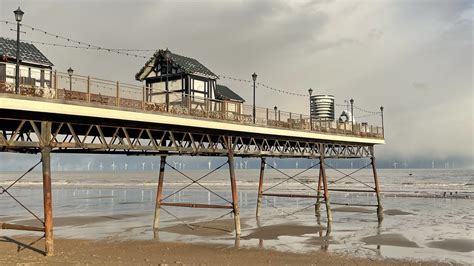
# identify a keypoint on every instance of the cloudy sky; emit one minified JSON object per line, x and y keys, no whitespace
{"x":413,"y":57}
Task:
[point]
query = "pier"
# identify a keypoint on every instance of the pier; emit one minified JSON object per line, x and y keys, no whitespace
{"x":81,"y":114}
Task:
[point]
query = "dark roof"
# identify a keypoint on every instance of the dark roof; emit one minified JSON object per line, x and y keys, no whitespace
{"x":187,"y":64}
{"x":224,"y":93}
{"x":28,"y":52}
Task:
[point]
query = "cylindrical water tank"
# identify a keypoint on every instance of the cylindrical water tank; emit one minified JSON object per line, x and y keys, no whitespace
{"x":322,"y":107}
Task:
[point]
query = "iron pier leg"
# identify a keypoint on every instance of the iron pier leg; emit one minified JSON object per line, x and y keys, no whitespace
{"x":377,"y":188}
{"x":47,"y":196}
{"x":322,"y":168}
{"x":318,"y":199}
{"x":159,"y":192}
{"x":260,"y":187}
{"x":233,"y":184}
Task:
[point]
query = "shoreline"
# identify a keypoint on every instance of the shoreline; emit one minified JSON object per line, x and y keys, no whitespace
{"x":147,"y":252}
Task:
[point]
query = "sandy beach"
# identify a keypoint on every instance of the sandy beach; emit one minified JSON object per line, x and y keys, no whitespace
{"x":13,"y":251}
{"x":112,"y":223}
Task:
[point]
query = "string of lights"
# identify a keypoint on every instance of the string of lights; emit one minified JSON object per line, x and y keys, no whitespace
{"x":264,"y":85}
{"x":83,"y":44}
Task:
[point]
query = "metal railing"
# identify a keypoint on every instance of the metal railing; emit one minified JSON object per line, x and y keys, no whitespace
{"x":108,"y":93}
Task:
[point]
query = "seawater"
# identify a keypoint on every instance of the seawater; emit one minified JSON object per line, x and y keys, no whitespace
{"x":422,"y":206}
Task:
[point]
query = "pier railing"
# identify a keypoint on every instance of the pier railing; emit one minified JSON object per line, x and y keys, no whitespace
{"x":109,"y":93}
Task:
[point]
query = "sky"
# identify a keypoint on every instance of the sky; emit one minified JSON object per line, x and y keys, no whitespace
{"x":415,"y":58}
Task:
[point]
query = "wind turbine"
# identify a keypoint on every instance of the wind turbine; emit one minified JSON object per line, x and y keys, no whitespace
{"x":101,"y":166}
{"x":143,"y":166}
{"x":89,"y":166}
{"x":246,"y":163}
{"x":126,"y":166}
{"x":209,"y":164}
{"x":113,"y":166}
{"x":395,"y":165}
{"x":296,"y":165}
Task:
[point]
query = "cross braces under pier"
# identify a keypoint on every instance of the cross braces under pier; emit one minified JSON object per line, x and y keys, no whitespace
{"x":112,"y":137}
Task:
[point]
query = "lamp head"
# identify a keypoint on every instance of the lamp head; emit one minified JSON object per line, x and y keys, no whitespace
{"x":70,"y":71}
{"x":254,"y":76}
{"x":18,"y":14}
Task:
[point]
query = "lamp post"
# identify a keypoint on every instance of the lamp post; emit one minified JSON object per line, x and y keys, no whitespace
{"x":254,"y":77}
{"x":18,"y":17}
{"x":381,"y":115}
{"x":352,"y":113}
{"x":70,"y":71}
{"x":275,"y":108}
{"x":167,"y":58}
{"x":310,"y":114}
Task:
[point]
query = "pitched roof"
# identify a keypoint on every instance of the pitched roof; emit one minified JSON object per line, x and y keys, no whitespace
{"x":28,"y":52}
{"x":224,"y":93}
{"x":187,"y":64}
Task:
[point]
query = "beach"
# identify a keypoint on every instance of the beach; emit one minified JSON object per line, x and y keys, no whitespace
{"x":107,"y":252}
{"x":107,"y":219}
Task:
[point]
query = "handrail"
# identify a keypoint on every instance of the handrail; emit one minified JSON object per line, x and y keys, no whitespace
{"x":87,"y":89}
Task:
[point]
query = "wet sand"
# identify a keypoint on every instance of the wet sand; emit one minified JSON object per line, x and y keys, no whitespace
{"x":153,"y":252}
{"x":396,"y":240}
{"x":458,"y":245}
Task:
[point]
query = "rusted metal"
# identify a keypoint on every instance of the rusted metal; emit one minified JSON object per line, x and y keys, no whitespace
{"x":47,"y":193}
{"x":351,"y":190}
{"x":195,"y":205}
{"x":353,"y":204}
{"x":289,"y":195}
{"x":317,"y":207}
{"x":21,"y":227}
{"x":260,"y":185}
{"x":377,"y":188}
{"x":322,"y":168}
{"x":159,"y":193}
{"x":233,"y":184}
{"x":106,"y":138}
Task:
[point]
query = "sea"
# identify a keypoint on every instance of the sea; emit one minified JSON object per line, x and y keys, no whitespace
{"x":428,"y":213}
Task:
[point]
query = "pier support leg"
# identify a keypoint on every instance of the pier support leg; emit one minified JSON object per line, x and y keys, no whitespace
{"x":377,"y":188}
{"x":233,"y":184}
{"x":318,"y":199}
{"x":159,"y":193}
{"x":322,"y":168}
{"x":47,"y":195}
{"x":260,"y":187}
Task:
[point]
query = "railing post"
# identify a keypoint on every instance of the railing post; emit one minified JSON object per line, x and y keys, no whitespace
{"x":117,"y":99}
{"x":279,"y":116}
{"x":88,"y":89}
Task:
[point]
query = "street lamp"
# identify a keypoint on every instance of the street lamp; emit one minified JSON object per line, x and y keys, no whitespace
{"x":18,"y":17}
{"x":352,"y":113}
{"x":381,"y":114}
{"x":70,"y":71}
{"x":254,"y":77}
{"x":167,"y":56}
{"x":310,"y":114}
{"x":275,"y":108}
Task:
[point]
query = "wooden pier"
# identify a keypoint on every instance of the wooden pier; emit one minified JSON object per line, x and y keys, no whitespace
{"x":77,"y":115}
